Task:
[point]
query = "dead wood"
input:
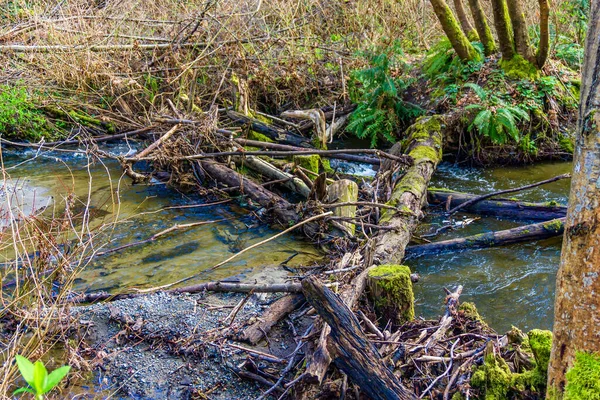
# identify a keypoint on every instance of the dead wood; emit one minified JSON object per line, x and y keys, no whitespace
{"x":501,"y":192}
{"x":201,"y":287}
{"x":541,"y":230}
{"x":498,"y":207}
{"x":271,"y":131}
{"x":276,"y":312}
{"x":354,"y":354}
{"x":283,"y":211}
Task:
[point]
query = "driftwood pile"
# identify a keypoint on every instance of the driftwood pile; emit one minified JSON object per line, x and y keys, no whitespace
{"x":348,"y":348}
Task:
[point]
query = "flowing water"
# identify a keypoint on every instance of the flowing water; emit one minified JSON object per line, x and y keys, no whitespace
{"x":136,"y":212}
{"x":511,"y":285}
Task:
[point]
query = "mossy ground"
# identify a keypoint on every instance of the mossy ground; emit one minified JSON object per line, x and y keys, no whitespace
{"x":583,"y":379}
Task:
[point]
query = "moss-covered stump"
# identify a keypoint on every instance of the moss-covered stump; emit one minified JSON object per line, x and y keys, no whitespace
{"x":343,"y":191}
{"x":390,"y":289}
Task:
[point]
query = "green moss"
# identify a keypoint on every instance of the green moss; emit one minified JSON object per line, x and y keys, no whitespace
{"x":519,"y":68}
{"x":583,"y":379}
{"x":553,"y":226}
{"x":309,"y":162}
{"x":566,"y":144}
{"x":394,"y":293}
{"x":253,"y":135}
{"x":458,"y":396}
{"x":541,"y":345}
{"x":493,"y":377}
{"x":470,"y":311}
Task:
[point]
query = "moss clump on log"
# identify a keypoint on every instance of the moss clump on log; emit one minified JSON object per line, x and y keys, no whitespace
{"x":80,"y":118}
{"x":309,"y":162}
{"x":498,"y":382}
{"x":391,"y":291}
{"x":253,"y":135}
{"x":583,"y":379}
{"x":470,"y":311}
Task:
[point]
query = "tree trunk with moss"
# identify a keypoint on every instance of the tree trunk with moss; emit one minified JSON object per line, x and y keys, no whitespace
{"x":544,"y":46}
{"x":410,"y":193}
{"x":576,"y":316}
{"x":461,"y":14}
{"x":483,"y":29}
{"x":503,"y":29}
{"x":520,"y":30}
{"x":453,"y":31}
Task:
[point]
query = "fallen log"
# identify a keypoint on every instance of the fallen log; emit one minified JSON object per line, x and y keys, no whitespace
{"x":272,"y":132}
{"x":409,"y":193}
{"x":498,"y":207}
{"x":283,"y":211}
{"x":541,"y":230}
{"x":276,"y":312}
{"x":201,"y":287}
{"x":501,"y":192}
{"x":354,"y":354}
{"x":270,"y":171}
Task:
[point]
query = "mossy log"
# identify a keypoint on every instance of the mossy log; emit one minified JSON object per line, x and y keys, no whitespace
{"x":541,"y":230}
{"x":390,"y":290}
{"x":284,"y":212}
{"x":519,"y":210}
{"x":424,"y":145}
{"x":353,"y":353}
{"x":272,"y":132}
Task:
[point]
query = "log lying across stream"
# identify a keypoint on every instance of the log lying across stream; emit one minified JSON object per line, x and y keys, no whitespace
{"x":409,"y":193}
{"x":519,"y":210}
{"x":542,"y":230}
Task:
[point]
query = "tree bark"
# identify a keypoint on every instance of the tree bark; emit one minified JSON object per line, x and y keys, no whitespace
{"x":464,"y":21}
{"x":503,"y":29}
{"x":576,"y":317}
{"x":527,"y":233}
{"x":499,"y":207}
{"x":544,"y":46}
{"x":276,"y":312}
{"x":483,"y":29}
{"x":520,"y":30}
{"x":457,"y":37}
{"x":409,"y":194}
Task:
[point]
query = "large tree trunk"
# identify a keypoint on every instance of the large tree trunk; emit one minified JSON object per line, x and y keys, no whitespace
{"x":483,"y":29}
{"x":464,"y":21}
{"x":457,"y":37}
{"x":410,"y":193}
{"x":576,"y":316}
{"x":520,"y":30}
{"x":503,"y":29}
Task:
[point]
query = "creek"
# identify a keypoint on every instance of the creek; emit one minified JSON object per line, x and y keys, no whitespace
{"x":511,"y":285}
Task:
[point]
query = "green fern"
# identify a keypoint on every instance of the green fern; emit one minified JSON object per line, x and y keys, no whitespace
{"x":380,"y":111}
{"x":495,"y":118}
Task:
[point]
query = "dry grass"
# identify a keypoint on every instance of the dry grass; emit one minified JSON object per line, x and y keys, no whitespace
{"x":293,"y":54}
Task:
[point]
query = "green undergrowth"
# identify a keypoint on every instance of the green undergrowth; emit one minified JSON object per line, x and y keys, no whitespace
{"x":503,"y":106}
{"x":583,"y":379}
{"x":378,"y":91}
{"x":20,"y":118}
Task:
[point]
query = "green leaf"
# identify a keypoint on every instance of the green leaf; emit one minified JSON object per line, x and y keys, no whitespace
{"x":479,"y":91}
{"x":40,"y":374}
{"x":26,"y":368}
{"x":55,"y":377}
{"x":23,"y":390}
